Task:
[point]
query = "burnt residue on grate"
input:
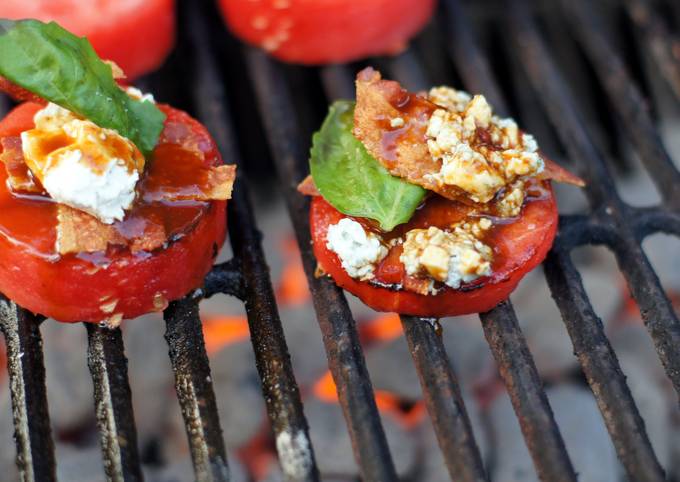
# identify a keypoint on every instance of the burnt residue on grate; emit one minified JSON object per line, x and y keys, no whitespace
{"x":611,"y":222}
{"x":32,"y":431}
{"x":253,"y":285}
{"x":113,"y":403}
{"x":338,"y":328}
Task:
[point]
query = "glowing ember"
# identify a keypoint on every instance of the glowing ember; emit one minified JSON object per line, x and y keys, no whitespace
{"x":384,"y":327}
{"x":220,"y":331}
{"x":325,"y":389}
{"x":409,"y":415}
{"x":292,"y":289}
{"x":628,"y":312}
{"x":259,"y":454}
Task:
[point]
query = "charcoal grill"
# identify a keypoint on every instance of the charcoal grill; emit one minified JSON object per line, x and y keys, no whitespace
{"x":611,"y":222}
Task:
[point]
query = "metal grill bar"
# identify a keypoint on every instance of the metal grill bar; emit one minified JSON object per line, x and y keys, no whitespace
{"x":437,"y":378}
{"x":443,"y":399}
{"x":595,"y":355}
{"x":625,"y":98}
{"x":518,"y":370}
{"x":407,"y":70}
{"x":280,"y":390}
{"x":340,"y":337}
{"x":439,"y":383}
{"x":675,"y":11}
{"x":113,"y":404}
{"x":338,"y":82}
{"x":660,"y":43}
{"x":652,"y":220}
{"x":225,"y":278}
{"x":655,"y":308}
{"x":32,"y":431}
{"x":467,"y":56}
{"x":194,"y":390}
{"x":602,"y":370}
{"x":501,"y":329}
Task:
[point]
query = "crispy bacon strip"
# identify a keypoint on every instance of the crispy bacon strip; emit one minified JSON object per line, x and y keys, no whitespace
{"x":79,"y":232}
{"x":19,"y":93}
{"x":116,"y":71}
{"x":152,"y":234}
{"x":552,"y":172}
{"x":220,"y":183}
{"x":417,"y":285}
{"x":18,"y":175}
{"x":308,"y":188}
{"x":403,"y":151}
{"x":557,"y":173}
{"x":214,"y":184}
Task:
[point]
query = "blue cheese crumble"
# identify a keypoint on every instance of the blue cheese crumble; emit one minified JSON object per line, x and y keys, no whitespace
{"x":357,"y":249}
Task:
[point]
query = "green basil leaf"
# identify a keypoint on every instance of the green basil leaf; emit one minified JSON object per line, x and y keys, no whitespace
{"x":352,"y":180}
{"x":60,"y":67}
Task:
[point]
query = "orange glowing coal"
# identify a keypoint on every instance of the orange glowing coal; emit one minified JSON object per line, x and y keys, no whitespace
{"x":628,"y":311}
{"x":292,"y":289}
{"x":219,"y":331}
{"x":259,"y":454}
{"x":382,"y":328}
{"x":407,"y":414}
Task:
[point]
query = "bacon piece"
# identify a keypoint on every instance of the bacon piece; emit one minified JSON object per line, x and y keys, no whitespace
{"x":417,"y":285}
{"x":557,"y":173}
{"x":308,"y":188}
{"x":220,"y":183}
{"x":402,"y":150}
{"x":154,"y":238}
{"x":19,"y":176}
{"x":79,"y":232}
{"x":150,"y":233}
{"x":214,"y":184}
{"x":116,"y":71}
{"x":19,"y":93}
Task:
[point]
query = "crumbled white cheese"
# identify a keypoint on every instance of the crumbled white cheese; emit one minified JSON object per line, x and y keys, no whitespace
{"x":510,"y":203}
{"x":477,"y":113}
{"x":104,"y":195}
{"x":452,"y":257}
{"x":444,"y":133}
{"x":469,"y":162}
{"x":52,"y":116}
{"x":509,"y":133}
{"x":452,"y":99}
{"x":469,"y":170}
{"x":90,"y":168}
{"x":357,"y":249}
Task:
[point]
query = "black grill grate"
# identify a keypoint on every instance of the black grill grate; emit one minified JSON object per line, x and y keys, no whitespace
{"x":612,"y":223}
